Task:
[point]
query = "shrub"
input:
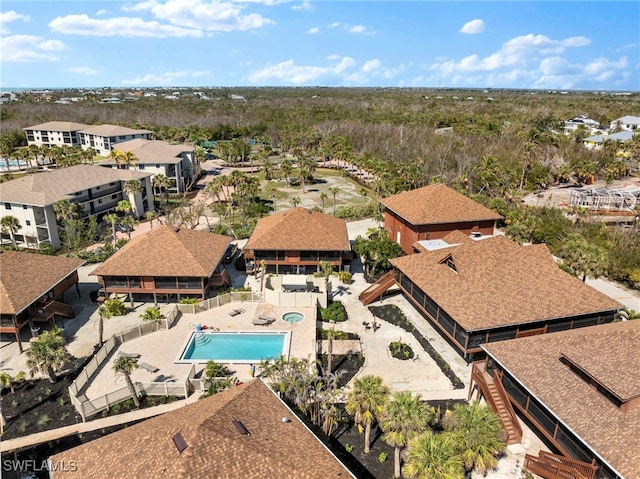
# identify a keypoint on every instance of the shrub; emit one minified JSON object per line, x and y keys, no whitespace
{"x":382,"y":458}
{"x":115,"y":307}
{"x":189,"y":300}
{"x":44,"y":419}
{"x":335,"y":312}
{"x":345,"y":277}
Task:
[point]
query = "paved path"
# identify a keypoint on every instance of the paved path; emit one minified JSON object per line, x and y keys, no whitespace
{"x":33,"y":439}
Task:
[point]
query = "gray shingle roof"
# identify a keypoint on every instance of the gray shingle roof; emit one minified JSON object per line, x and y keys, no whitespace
{"x":46,"y":187}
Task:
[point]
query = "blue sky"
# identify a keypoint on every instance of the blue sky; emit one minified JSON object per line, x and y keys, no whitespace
{"x":582,"y":45}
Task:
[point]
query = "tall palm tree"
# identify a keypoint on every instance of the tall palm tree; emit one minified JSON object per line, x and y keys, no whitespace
{"x":433,"y":456}
{"x":132,"y":188}
{"x":66,"y":210}
{"x":403,"y":418}
{"x":10,"y":225}
{"x":323,"y":198}
{"x":125,"y":366}
{"x":365,"y":403}
{"x":477,"y":434}
{"x":113,"y":219}
{"x":151,"y":215}
{"x":334,"y":191}
{"x":124,"y":206}
{"x":104,"y":313}
{"x":48,"y":354}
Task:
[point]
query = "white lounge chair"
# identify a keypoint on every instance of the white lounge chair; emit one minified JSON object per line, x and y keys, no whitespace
{"x":149,"y":367}
{"x":263,"y":320}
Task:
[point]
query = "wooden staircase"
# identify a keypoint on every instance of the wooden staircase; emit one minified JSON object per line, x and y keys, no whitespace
{"x":497,"y":398}
{"x":61,"y":309}
{"x":552,"y":466}
{"x":377,"y":289}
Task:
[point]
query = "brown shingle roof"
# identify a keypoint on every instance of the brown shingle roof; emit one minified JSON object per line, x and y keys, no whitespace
{"x":300,"y":229}
{"x":499,"y":283}
{"x":68,"y":126}
{"x":274,"y":448}
{"x":535,"y":362}
{"x":25,"y":277}
{"x":152,"y":151}
{"x":437,"y":204}
{"x":167,"y":251}
{"x":47,"y":187}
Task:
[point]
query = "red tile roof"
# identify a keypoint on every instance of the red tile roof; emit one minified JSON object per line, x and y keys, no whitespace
{"x":497,"y":283}
{"x":437,"y":204}
{"x":25,"y":277}
{"x":611,"y":352}
{"x":300,"y":229}
{"x":167,"y":251}
{"x":275,"y":448}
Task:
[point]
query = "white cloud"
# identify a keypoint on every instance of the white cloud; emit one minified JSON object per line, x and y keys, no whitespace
{"x":313,"y":31}
{"x":360,"y":29}
{"x":289,"y":72}
{"x":28,"y":48}
{"x":212,"y":16}
{"x":305,"y":5}
{"x":102,"y":12}
{"x":371,"y":65}
{"x":8,"y":17}
{"x":121,"y":26}
{"x":167,"y":78}
{"x":82,"y":70}
{"x":473,"y":27}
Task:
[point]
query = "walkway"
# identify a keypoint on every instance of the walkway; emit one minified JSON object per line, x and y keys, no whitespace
{"x":38,"y":438}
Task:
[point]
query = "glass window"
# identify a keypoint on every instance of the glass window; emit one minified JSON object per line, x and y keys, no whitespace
{"x":501,"y":335}
{"x":28,"y":222}
{"x":163,"y":282}
{"x":543,"y":418}
{"x":476,"y":339}
{"x":559,"y":326}
{"x":514,"y":390}
{"x":445,"y":320}
{"x":431,"y":307}
{"x":7,"y":206}
{"x":572,"y":445}
{"x":461,"y":336}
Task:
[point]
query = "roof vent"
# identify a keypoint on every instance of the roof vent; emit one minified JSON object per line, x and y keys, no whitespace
{"x":176,"y":229}
{"x":286,"y":420}
{"x":180,"y":443}
{"x":240,"y":427}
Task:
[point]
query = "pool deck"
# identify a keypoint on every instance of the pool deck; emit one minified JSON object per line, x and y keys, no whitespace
{"x":172,"y":342}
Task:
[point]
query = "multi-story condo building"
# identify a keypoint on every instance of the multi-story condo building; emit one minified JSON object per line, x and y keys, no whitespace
{"x":56,"y":133}
{"x":159,"y":157}
{"x":97,"y":190}
{"x":101,"y":138}
{"x":104,"y":138}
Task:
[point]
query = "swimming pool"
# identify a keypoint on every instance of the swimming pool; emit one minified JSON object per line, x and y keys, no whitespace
{"x":234,"y":346}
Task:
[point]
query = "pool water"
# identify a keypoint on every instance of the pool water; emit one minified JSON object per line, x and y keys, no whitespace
{"x":234,"y":346}
{"x":293,"y":317}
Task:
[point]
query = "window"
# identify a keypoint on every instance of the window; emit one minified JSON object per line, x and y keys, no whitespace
{"x":28,"y":222}
{"x":24,"y":207}
{"x":7,"y":206}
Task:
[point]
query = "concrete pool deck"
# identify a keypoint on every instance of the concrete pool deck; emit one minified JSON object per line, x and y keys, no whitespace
{"x":162,"y":348}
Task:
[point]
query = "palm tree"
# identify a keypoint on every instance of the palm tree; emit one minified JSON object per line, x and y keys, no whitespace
{"x":161,"y":184}
{"x":124,"y":206}
{"x":323,"y":198}
{"x":104,"y":313}
{"x":295,"y":201}
{"x":152,"y":314}
{"x":433,"y":456}
{"x":334,"y":191}
{"x":477,"y":435}
{"x":48,"y":354}
{"x":66,"y":210}
{"x":113,"y":219}
{"x":151,"y":215}
{"x":125,"y":366}
{"x":9,"y":381}
{"x":10,"y":225}
{"x":403,"y":418}
{"x":365,"y":403}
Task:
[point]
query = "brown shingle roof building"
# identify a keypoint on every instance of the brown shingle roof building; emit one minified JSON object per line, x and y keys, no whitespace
{"x":301,"y":237}
{"x":432,"y":212}
{"x":167,"y":260}
{"x":167,"y":251}
{"x":585,"y":383}
{"x":152,"y":152}
{"x":483,"y":285}
{"x":300,"y":229}
{"x":30,"y":285}
{"x":278,"y":444}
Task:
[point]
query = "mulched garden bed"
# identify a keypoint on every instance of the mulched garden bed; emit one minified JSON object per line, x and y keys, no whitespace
{"x":401,"y":351}
{"x":347,"y":365}
{"x":394,"y":315}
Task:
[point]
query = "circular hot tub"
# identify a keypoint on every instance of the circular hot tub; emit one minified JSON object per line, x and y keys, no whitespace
{"x":293,"y":317}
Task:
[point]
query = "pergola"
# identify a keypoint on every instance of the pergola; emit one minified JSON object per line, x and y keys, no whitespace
{"x":605,"y":199}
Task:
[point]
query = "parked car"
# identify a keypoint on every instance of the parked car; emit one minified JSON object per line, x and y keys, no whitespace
{"x":124,"y":228}
{"x":230,"y":253}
